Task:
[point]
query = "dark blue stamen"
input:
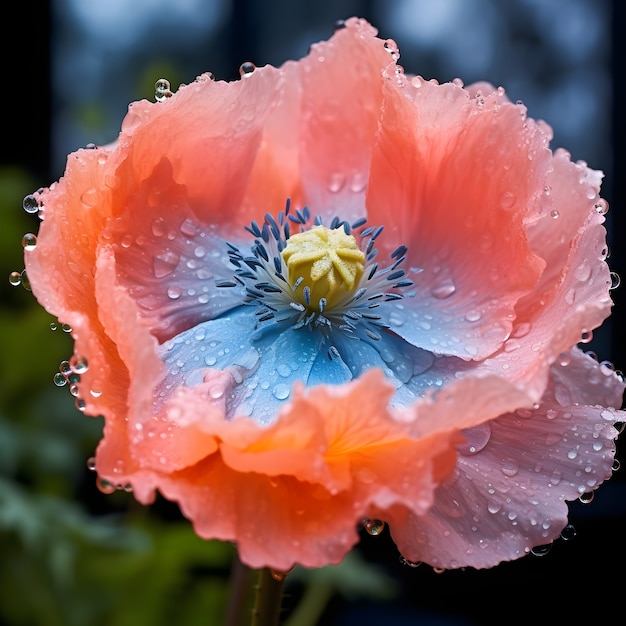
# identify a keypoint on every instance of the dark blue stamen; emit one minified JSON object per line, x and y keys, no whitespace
{"x":253,"y":229}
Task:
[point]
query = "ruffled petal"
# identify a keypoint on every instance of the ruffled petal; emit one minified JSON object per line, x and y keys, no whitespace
{"x":294,"y":492}
{"x":455,"y":178}
{"x":170,"y":262}
{"x":514,"y":474}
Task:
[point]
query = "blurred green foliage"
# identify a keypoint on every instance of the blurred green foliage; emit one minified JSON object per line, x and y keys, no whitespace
{"x":69,"y":555}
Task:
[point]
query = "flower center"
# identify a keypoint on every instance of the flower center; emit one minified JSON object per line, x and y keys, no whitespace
{"x":323,"y":265}
{"x":326,"y":279}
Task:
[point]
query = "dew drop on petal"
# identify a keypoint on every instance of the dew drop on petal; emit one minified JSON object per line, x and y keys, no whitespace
{"x":507,"y":200}
{"x":568,"y":533}
{"x":29,"y":241}
{"x":79,"y":364}
{"x":91,"y":464}
{"x":444,"y":289}
{"x":105,"y":486}
{"x":586,"y":498}
{"x":30,"y":204}
{"x":246,"y":69}
{"x":15,"y":278}
{"x":336,"y":182}
{"x":59,"y":380}
{"x":509,"y":467}
{"x":281,"y":391}
{"x":493,"y":506}
{"x":476,"y":438}
{"x":164,"y":264}
{"x":615,"y":280}
{"x":374,"y":527}
{"x":24,"y":280}
{"x":601,"y":206}
{"x":410,"y":563}
{"x":541,"y":550}
{"x":174,"y":292}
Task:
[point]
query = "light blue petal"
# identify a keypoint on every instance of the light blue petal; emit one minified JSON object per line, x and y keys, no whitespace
{"x":268,"y":363}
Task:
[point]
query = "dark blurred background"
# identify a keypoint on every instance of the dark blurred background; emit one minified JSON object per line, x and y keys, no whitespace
{"x":72,"y":556}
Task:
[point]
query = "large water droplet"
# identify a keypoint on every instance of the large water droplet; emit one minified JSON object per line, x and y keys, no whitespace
{"x":246,"y":69}
{"x":162,"y":90}
{"x":509,"y":467}
{"x":281,"y":391}
{"x":29,"y":241}
{"x":374,"y":526}
{"x":507,"y":200}
{"x":30,"y":204}
{"x":476,"y":437}
{"x":336,"y":182}
{"x":444,"y":289}
{"x":165,"y":263}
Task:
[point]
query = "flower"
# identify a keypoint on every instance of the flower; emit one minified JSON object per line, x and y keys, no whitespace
{"x":331,"y":294}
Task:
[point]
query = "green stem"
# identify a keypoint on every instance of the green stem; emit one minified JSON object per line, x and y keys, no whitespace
{"x":242,"y":581}
{"x":269,"y":595}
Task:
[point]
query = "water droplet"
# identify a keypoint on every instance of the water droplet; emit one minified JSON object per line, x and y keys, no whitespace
{"x":246,"y":69}
{"x":476,"y":438}
{"x":105,"y":486}
{"x":336,"y":182}
{"x":444,"y":289}
{"x":79,"y":364}
{"x":281,"y":391}
{"x":410,"y":563}
{"x":278,"y":576}
{"x":283,"y":370}
{"x":583,"y":271}
{"x":30,"y":204}
{"x":601,"y":206}
{"x":358,"y":182}
{"x":15,"y":278}
{"x":391,"y":47}
{"x":91,"y":464}
{"x":564,"y":358}
{"x":494,"y":506}
{"x":65,"y":368}
{"x":374,"y":527}
{"x":507,"y":200}
{"x":568,"y":533}
{"x":29,"y":241}
{"x":473,"y":315}
{"x":554,"y":214}
{"x":509,"y":467}
{"x":615,"y":280}
{"x":162,"y":90}
{"x":165,"y":263}
{"x":24,"y":280}
{"x":66,"y":328}
{"x":174,"y":292}
{"x":80,"y":404}
{"x":59,"y":380}
{"x":89,"y":198}
{"x":541,"y":550}
{"x":586,"y":336}
{"x":586,"y":498}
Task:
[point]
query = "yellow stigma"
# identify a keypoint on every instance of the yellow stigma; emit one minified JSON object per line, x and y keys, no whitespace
{"x":329,"y":261}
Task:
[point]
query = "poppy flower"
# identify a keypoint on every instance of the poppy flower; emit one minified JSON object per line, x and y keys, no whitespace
{"x":331,"y":295}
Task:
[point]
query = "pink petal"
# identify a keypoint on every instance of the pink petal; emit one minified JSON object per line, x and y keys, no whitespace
{"x":460,"y":176}
{"x":508,"y":493}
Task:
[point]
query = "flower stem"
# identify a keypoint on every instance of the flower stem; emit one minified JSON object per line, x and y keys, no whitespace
{"x":242,"y":581}
{"x":269,"y":594}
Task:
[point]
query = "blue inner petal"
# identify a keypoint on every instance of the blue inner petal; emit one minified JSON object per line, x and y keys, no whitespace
{"x":267,"y":363}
